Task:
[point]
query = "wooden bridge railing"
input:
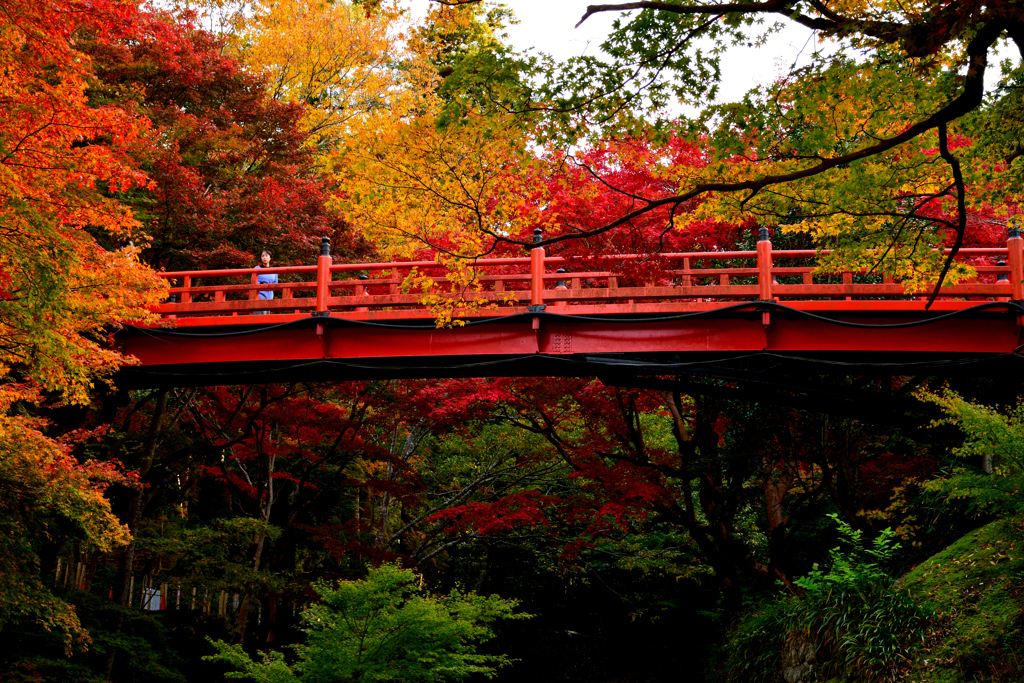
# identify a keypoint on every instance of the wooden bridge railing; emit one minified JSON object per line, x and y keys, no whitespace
{"x":689,"y":281}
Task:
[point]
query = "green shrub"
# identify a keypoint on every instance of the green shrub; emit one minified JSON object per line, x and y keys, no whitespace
{"x":383,"y":628}
{"x":754,"y":649}
{"x":860,"y":625}
{"x":992,"y":451}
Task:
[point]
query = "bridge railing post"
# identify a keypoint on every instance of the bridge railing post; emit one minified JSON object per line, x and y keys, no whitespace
{"x":323,"y":276}
{"x":1014,"y":256}
{"x":562,"y":286}
{"x":537,"y":272}
{"x":362,"y":290}
{"x":764,"y":265}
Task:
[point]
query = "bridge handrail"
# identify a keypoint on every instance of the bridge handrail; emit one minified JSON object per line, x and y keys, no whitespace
{"x":549,"y":260}
{"x":686,"y":284}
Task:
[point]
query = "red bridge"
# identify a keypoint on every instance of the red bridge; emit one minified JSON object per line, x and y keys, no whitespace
{"x":523,"y":317}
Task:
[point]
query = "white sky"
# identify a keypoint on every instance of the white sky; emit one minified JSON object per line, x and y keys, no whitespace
{"x":548,"y":26}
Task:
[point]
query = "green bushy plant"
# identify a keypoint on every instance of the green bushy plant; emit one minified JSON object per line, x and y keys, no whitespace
{"x":991,"y":476}
{"x":754,"y":649}
{"x":860,"y":625}
{"x":383,"y":628}
{"x":861,"y":622}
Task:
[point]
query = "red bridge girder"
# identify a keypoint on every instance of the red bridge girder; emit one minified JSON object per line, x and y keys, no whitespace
{"x":550,"y":344}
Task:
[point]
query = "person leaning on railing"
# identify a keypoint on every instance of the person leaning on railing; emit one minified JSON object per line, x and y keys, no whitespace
{"x":265,"y":278}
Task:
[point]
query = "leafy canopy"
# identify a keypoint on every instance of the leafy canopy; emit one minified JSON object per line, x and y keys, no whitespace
{"x":884,"y":148}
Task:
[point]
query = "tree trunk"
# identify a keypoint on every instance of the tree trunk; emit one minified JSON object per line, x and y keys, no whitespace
{"x":412,"y":440}
{"x":138,"y":500}
{"x":776,"y":486}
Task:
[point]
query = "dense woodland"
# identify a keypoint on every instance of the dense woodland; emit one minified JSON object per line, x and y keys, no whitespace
{"x":712,"y":525}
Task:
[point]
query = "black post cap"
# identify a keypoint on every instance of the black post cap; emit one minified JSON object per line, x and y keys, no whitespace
{"x":325,"y":246}
{"x":762,"y":235}
{"x":364,"y":277}
{"x":537,"y":234}
{"x":1014,"y":232}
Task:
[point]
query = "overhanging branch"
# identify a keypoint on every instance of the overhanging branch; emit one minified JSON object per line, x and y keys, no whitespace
{"x":970,"y":98}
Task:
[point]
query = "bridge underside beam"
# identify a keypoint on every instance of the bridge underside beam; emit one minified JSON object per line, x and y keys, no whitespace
{"x":331,"y":349}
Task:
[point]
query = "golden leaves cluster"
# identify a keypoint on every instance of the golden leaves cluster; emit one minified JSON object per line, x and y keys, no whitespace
{"x":45,"y":491}
{"x":453,"y":187}
{"x":345,"y":63}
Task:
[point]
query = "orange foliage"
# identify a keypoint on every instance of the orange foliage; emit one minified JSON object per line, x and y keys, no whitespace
{"x":61,"y":162}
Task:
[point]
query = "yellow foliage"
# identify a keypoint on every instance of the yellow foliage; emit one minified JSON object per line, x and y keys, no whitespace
{"x":343,"y":62}
{"x":456,"y":187}
{"x":460,"y":298}
{"x":868,"y":210}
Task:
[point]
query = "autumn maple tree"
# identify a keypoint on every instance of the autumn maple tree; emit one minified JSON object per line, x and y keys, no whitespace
{"x":64,"y":165}
{"x":340,"y":61}
{"x":49,"y":500}
{"x":834,"y":113}
{"x":63,"y":162}
{"x":231,"y":173}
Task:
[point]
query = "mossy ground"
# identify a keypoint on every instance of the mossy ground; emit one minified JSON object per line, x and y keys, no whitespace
{"x":976,"y":588}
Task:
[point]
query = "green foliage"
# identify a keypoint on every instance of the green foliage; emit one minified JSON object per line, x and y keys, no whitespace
{"x":48,"y":502}
{"x":216,"y":554}
{"x":860,"y":625}
{"x":994,"y":440}
{"x":383,"y":628}
{"x":855,"y":613}
{"x":753,"y":650}
{"x":975,"y":589}
{"x":127,"y":645}
{"x":599,"y":92}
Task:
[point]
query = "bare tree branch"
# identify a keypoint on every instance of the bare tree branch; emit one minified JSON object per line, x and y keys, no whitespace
{"x":970,"y":97}
{"x":961,"y":210}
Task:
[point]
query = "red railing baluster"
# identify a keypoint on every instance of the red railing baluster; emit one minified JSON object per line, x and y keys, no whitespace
{"x":1013,"y":248}
{"x":764,"y":265}
{"x":362,"y":290}
{"x":537,"y":272}
{"x":561,"y":285}
{"x":323,"y":276}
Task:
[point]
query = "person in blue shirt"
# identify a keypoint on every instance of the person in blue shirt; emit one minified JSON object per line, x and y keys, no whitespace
{"x":266,"y":278}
